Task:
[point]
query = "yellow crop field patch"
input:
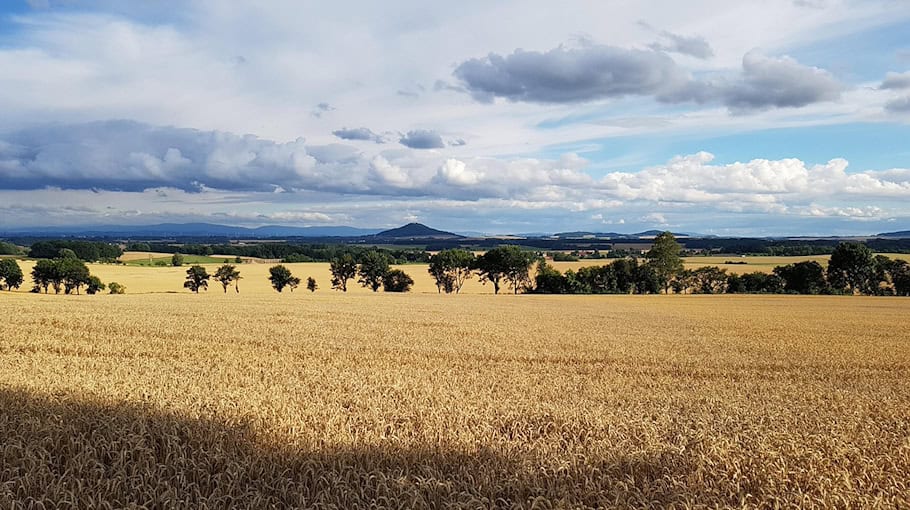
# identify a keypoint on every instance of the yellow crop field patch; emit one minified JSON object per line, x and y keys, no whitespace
{"x":334,"y":400}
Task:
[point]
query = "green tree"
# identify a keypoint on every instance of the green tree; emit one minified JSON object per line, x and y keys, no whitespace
{"x":437,"y":269}
{"x":549,"y":280}
{"x":116,"y":288}
{"x":518,"y":269}
{"x":311,"y":284}
{"x":9,"y":249}
{"x":176,"y":260}
{"x":10,"y":274}
{"x":396,"y":280}
{"x":647,"y":281}
{"x":226,"y":275}
{"x":623,"y":273}
{"x":664,"y":257}
{"x":709,"y":280}
{"x":46,"y":273}
{"x":754,"y":283}
{"x":900,"y":277}
{"x":66,"y":253}
{"x":451,"y":268}
{"x":851,"y":267}
{"x":806,"y":277}
{"x":281,"y":278}
{"x":94,"y":285}
{"x":197,"y":278}
{"x":74,"y":273}
{"x":594,"y":279}
{"x":509,"y":263}
{"x":374,"y":265}
{"x":343,"y":268}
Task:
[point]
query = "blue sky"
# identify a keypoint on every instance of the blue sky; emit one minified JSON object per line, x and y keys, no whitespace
{"x":788,"y":117}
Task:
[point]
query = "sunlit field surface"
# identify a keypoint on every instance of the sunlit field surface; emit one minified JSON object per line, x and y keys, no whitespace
{"x":327,"y":400}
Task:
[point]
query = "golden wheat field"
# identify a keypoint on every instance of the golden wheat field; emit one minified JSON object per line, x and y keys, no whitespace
{"x":329,"y":400}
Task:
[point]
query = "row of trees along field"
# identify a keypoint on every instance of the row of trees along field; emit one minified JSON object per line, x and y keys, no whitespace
{"x":67,"y":273}
{"x":852,"y":269}
{"x":372,"y":270}
{"x":89,"y":251}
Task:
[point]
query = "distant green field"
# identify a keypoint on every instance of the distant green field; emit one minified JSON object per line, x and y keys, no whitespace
{"x":187,"y":259}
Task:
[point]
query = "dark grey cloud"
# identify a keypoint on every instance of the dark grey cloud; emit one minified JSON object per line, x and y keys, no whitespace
{"x":593,"y":73}
{"x":422,"y":139}
{"x":896,"y":81}
{"x":778,"y":82}
{"x":899,"y":105}
{"x":694,"y":46}
{"x":360,"y":133}
{"x":572,"y":75}
{"x":131,"y":156}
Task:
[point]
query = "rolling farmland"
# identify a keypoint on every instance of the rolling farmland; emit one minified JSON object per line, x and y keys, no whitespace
{"x":341,"y":401}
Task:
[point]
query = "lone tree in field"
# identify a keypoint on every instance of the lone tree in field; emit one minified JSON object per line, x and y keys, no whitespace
{"x":343,"y":268}
{"x":664,"y":257}
{"x":74,"y":272}
{"x":851,"y":268}
{"x":373,"y":267}
{"x":10,"y":274}
{"x":176,"y":260}
{"x":311,"y":284}
{"x":509,"y":263}
{"x":281,"y":277}
{"x":397,"y":280}
{"x":226,"y":275}
{"x":197,"y":278}
{"x":451,"y":269}
{"x":116,"y":288}
{"x":94,"y":285}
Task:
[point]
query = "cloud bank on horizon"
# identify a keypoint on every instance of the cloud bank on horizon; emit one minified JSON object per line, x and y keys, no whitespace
{"x":771,"y":119}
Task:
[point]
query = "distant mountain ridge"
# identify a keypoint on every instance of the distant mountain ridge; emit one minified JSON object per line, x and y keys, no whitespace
{"x":416,"y":231}
{"x":902,"y":234}
{"x":197,"y":230}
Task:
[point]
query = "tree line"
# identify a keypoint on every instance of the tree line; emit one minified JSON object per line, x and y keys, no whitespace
{"x":373,"y":270}
{"x":65,"y":273}
{"x":286,"y":252}
{"x":852,"y":269}
{"x":88,"y":251}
